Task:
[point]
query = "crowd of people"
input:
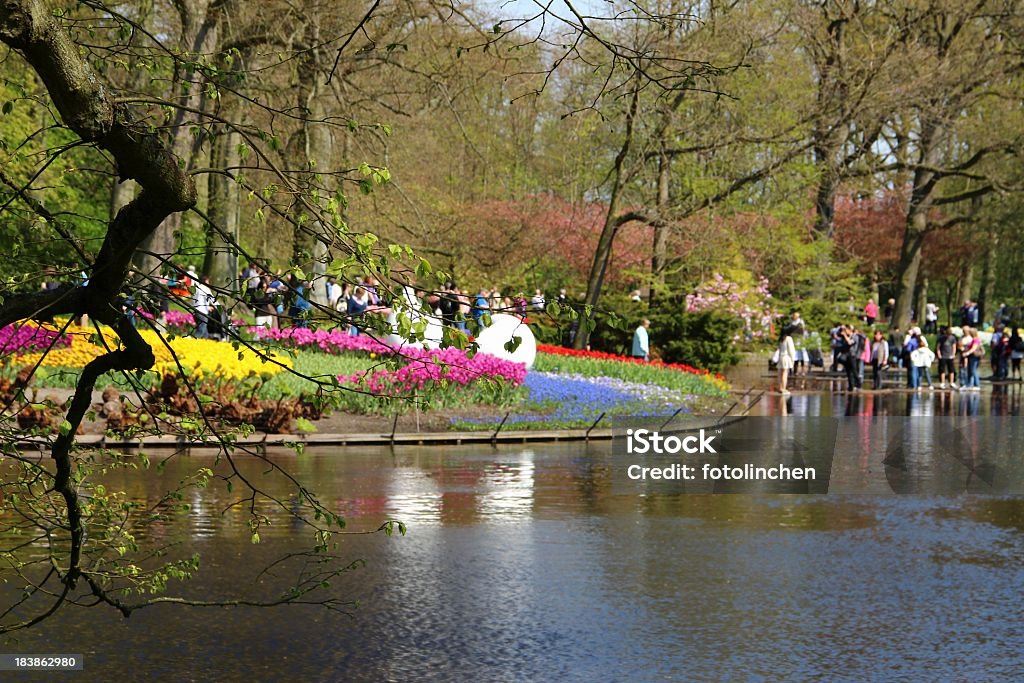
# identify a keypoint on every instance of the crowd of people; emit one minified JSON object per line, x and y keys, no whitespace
{"x":854,"y":348}
{"x":282,"y":300}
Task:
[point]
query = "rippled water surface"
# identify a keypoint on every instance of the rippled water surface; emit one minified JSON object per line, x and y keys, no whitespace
{"x":523,"y":565}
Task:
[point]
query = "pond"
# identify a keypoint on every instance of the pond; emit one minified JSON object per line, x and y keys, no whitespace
{"x":1000,"y":400}
{"x":524,"y":565}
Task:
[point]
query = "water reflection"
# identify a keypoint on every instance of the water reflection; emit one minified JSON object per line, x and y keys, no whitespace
{"x":998,"y":400}
{"x":524,"y":564}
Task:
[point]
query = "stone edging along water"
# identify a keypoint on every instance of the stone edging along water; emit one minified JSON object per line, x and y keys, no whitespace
{"x":373,"y":439}
{"x":368,"y":439}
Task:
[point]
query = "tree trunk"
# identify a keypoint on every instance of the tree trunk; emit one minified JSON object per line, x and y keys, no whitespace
{"x":909,"y":264}
{"x":612,"y":222}
{"x":659,"y":256}
{"x":825,"y":204}
{"x":121,"y":194}
{"x":873,"y":288}
{"x":223,"y":208}
{"x":198,"y":38}
{"x":922,"y":300}
{"x":966,"y":283}
{"x":87,"y":108}
{"x":986,"y":296}
{"x":316,"y":141}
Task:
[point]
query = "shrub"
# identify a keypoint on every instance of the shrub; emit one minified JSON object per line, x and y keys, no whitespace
{"x":703,"y":339}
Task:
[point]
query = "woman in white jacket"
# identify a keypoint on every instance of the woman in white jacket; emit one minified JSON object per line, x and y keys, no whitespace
{"x":922,"y":358}
{"x":787,"y":357}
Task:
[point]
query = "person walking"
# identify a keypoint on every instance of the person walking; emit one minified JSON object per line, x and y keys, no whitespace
{"x":641,"y":340}
{"x":202,"y":301}
{"x":931,"y":317}
{"x":787,"y":357}
{"x":879,"y":359}
{"x":870,"y":312}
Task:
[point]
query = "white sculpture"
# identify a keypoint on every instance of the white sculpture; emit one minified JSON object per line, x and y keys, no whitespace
{"x":502,"y":329}
{"x":411,"y":307}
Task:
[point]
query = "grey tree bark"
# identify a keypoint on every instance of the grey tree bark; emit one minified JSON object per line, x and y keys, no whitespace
{"x":199,"y":19}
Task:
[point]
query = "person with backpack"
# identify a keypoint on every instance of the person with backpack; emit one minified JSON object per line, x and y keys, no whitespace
{"x":849,"y":356}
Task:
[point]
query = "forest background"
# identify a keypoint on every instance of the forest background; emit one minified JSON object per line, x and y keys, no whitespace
{"x":728,"y":160}
{"x":825,"y":152}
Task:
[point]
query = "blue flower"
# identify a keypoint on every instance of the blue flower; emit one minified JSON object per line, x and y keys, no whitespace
{"x":574,"y":401}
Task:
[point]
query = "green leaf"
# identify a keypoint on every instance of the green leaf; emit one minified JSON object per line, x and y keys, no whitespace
{"x":8,"y":107}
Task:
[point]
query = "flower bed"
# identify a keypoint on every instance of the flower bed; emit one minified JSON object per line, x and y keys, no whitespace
{"x":202,"y":357}
{"x":597,"y":364}
{"x":601,"y":355}
{"x":558,"y":401}
{"x":566,"y":388}
{"x":430,"y":369}
{"x":422,"y":376}
{"x":328,"y":341}
{"x":28,"y":336}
